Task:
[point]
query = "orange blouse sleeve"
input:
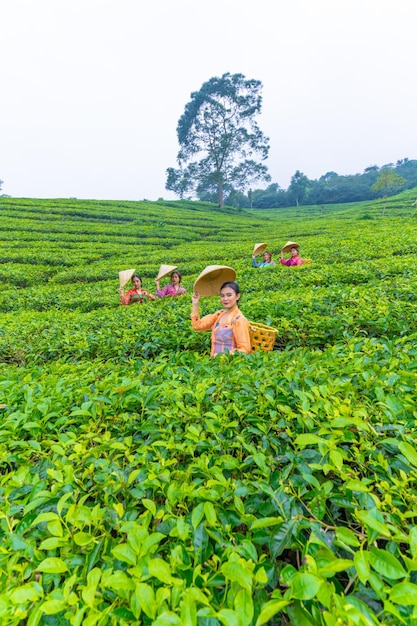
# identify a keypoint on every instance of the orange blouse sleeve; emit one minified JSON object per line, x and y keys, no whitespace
{"x":241,"y":335}
{"x":204,"y":323}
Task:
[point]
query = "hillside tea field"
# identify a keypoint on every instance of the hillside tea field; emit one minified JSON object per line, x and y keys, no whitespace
{"x":144,"y":483}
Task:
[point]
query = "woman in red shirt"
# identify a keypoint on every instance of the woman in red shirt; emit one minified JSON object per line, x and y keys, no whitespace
{"x":137,"y":294}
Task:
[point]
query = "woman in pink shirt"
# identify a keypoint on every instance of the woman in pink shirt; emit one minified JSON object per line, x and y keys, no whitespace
{"x":229,"y":327}
{"x":173,"y":289}
{"x":294,"y":259}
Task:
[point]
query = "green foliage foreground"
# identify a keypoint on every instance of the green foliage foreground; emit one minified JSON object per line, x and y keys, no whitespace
{"x":142,"y":482}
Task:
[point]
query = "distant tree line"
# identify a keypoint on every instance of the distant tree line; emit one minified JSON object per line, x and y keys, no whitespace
{"x":331,"y":188}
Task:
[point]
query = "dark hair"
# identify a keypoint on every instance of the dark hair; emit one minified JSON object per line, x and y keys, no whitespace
{"x":137,"y":276}
{"x":176,"y":272}
{"x":233,"y":285}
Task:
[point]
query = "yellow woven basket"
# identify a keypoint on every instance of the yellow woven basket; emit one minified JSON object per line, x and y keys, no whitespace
{"x":262,"y":337}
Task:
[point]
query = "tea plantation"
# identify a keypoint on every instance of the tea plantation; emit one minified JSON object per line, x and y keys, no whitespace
{"x":143,"y":482}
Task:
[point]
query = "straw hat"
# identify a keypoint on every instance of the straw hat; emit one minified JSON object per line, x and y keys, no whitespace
{"x":212,"y":278}
{"x":164,"y":270}
{"x":125,"y":276}
{"x":259,"y":248}
{"x":289,"y":245}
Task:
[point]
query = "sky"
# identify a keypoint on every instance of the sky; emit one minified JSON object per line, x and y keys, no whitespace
{"x":92,"y":90}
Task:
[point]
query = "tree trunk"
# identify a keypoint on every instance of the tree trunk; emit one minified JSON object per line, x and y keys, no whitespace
{"x":221,"y":198}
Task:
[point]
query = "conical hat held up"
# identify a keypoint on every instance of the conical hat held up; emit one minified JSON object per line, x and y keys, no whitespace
{"x":258,"y":248}
{"x":289,"y":245}
{"x":164,"y":270}
{"x":212,"y":278}
{"x":125,"y":276}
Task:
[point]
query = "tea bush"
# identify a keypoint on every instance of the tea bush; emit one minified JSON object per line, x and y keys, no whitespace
{"x":143,"y":482}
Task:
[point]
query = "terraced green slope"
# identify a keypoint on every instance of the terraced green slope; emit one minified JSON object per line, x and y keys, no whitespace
{"x":142,"y":482}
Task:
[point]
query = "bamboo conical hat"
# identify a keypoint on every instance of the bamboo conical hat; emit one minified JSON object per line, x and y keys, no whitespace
{"x":212,"y":278}
{"x":289,"y":245}
{"x":258,"y":248}
{"x":166,"y":269}
{"x":125,"y":276}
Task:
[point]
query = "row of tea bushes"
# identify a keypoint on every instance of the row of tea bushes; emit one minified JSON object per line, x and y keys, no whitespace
{"x":53,"y":322}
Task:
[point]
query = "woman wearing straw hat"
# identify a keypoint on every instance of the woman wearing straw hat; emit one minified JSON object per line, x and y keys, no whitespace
{"x":267,"y":261}
{"x":267,"y":256}
{"x":137,"y":294}
{"x":174,"y":287}
{"x":295,"y":259}
{"x":229,"y":327}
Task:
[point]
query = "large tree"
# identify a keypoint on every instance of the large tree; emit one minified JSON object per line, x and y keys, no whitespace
{"x":387,"y":183}
{"x":220,"y":142}
{"x":297,"y":190}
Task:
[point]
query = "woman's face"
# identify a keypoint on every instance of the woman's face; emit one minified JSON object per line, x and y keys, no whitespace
{"x":294,"y":251}
{"x":228,"y":297}
{"x":175,"y":279}
{"x":267,"y":257}
{"x":136,"y":282}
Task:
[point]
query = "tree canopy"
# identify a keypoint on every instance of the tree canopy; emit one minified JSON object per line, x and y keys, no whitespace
{"x":298,"y":187}
{"x":221,"y":144}
{"x":387,"y":183}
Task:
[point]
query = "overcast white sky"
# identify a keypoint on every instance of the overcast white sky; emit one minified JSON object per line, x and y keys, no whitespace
{"x":92,"y":90}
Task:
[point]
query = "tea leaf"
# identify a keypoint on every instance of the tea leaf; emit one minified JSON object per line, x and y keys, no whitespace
{"x":368,"y":519}
{"x":52,"y":565}
{"x":161,"y":570}
{"x":228,"y":617}
{"x":404,"y":594}
{"x":386,"y":564}
{"x":266,"y":522}
{"x":304,"y":586}
{"x":124,"y":552}
{"x":236,"y":572}
{"x":244,"y":606}
{"x":30,"y":592}
{"x":362,"y":566}
{"x":269,"y":609}
{"x":146,"y":598}
{"x":409,"y":452}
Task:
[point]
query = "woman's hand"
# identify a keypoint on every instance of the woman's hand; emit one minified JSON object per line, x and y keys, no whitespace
{"x":195,"y":299}
{"x":157,"y":282}
{"x":121,"y":289}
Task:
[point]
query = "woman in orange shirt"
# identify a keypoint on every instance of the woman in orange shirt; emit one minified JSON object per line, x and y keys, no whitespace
{"x":229,"y":327}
